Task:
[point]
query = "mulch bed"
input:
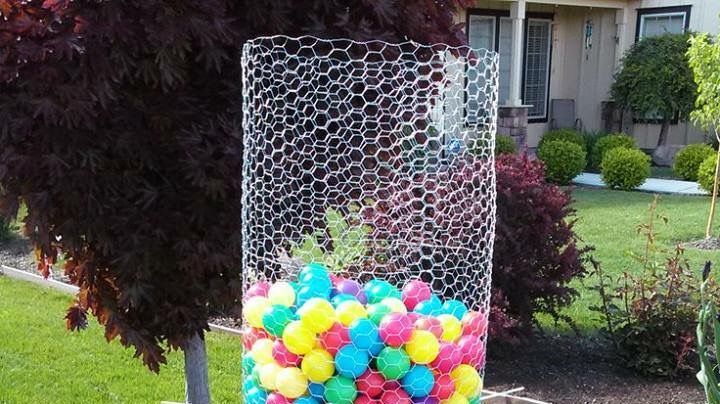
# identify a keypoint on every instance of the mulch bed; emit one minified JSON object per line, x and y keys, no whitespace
{"x":704,"y":244}
{"x":556,"y":368}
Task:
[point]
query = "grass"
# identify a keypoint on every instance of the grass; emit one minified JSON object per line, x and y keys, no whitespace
{"x":41,"y":362}
{"x":608,"y":220}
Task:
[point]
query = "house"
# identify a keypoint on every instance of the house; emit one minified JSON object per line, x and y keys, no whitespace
{"x":569,"y":50}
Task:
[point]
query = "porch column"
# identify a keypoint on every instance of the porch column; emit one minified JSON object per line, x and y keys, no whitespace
{"x":621,"y":22}
{"x":517,"y":13}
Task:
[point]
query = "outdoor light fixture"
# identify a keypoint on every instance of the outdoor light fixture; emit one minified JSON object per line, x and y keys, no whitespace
{"x":588,"y":34}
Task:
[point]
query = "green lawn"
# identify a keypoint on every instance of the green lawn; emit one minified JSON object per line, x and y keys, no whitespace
{"x":608,"y":220}
{"x":41,"y":362}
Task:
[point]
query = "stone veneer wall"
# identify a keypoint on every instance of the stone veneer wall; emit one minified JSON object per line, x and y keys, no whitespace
{"x":513,"y":122}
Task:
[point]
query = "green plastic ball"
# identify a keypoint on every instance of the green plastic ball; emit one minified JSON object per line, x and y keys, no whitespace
{"x":376,"y":312}
{"x":276,"y":318}
{"x":340,"y":390}
{"x":393,"y":363}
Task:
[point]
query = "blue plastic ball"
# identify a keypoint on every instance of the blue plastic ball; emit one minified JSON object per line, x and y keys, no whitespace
{"x":455,"y":308}
{"x":342,"y":297}
{"x":317,"y":391}
{"x":306,"y":400}
{"x":307,"y":292}
{"x":255,"y":396}
{"x":248,"y":364}
{"x":418,"y":381}
{"x":351,"y":362}
{"x":315,"y":274}
{"x":364,"y":333}
{"x":249,"y":383}
{"x":430,"y":307}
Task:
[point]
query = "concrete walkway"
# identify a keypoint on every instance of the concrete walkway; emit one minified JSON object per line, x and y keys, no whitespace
{"x":655,"y":185}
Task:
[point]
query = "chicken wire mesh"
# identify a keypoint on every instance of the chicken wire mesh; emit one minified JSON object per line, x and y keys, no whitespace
{"x":368,"y":220}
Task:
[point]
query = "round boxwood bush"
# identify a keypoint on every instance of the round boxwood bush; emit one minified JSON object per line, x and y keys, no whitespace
{"x":563,"y":160}
{"x":688,"y":160}
{"x":505,"y":145}
{"x":706,"y":173}
{"x":625,"y":168}
{"x":567,"y":135}
{"x":607,"y":143}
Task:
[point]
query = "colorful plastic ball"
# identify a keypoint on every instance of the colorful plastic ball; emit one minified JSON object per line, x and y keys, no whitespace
{"x":364,"y":333}
{"x":396,"y":305}
{"x":342,"y":297}
{"x":298,"y":338}
{"x":261,"y":351}
{"x":395,"y":396}
{"x":449,"y":357}
{"x":317,"y":314}
{"x":254,"y":309}
{"x":276,"y":318}
{"x":248,"y":364}
{"x":315,"y":275}
{"x":418,"y":381}
{"x":292,"y":383}
{"x":425,"y":400}
{"x":378,"y":290}
{"x":414,"y":292}
{"x":474,"y":400}
{"x":452,"y":327}
{"x":430,"y":307}
{"x":306,"y":293}
{"x":376,"y":312}
{"x":275,"y":398}
{"x":268,"y":375}
{"x":334,"y":338}
{"x":363,"y":399}
{"x":429,"y":323}
{"x":259,"y":289}
{"x":456,"y":398}
{"x":348,"y":312}
{"x":396,"y":329}
{"x":317,"y":391}
{"x":467,"y":380}
{"x":255,"y":395}
{"x":248,"y":383}
{"x":340,"y":390}
{"x":393,"y":363}
{"x":351,"y":362}
{"x":282,"y":293}
{"x":370,"y":383}
{"x":306,"y":400}
{"x":318,"y":365}
{"x":250,"y":335}
{"x":444,"y":387}
{"x":473,"y":350}
{"x":284,"y":357}
{"x":475,"y":323}
{"x":455,"y":308}
{"x":352,"y":288}
{"x":422,"y":347}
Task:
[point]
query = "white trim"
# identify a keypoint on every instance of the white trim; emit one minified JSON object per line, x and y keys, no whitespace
{"x":684,"y":15}
{"x":547,"y":66}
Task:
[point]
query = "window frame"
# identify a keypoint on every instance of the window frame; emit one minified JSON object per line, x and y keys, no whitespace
{"x":498,"y":14}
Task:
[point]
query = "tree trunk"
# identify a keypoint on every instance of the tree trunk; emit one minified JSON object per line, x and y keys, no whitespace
{"x":664,"y":130}
{"x":197,"y":386}
{"x":713,"y":203}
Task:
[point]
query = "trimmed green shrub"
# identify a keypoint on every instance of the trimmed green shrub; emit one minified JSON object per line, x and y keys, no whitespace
{"x":688,"y":160}
{"x":607,"y":143}
{"x":567,"y":135}
{"x":563,"y":160}
{"x":625,"y":168}
{"x":706,"y":173}
{"x":505,"y":145}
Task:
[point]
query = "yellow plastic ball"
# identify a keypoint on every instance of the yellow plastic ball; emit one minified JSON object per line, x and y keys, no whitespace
{"x":261,"y":351}
{"x":423,"y":347}
{"x":268,"y":375}
{"x":291,"y":383}
{"x":396,"y":305}
{"x":318,"y":365}
{"x":456,"y":398}
{"x":317,"y":314}
{"x":298,"y":338}
{"x":253,"y":310}
{"x":349,"y":311}
{"x":282,"y":293}
{"x":467,"y":380}
{"x":452,"y":327}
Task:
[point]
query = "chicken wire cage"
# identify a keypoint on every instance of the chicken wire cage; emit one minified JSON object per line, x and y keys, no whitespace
{"x":368,"y":219}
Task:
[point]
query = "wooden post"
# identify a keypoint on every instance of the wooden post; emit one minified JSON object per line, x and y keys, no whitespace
{"x":197,"y":385}
{"x":713,"y":203}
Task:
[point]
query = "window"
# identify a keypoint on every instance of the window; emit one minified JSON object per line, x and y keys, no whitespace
{"x":492,"y":29}
{"x":663,"y":20}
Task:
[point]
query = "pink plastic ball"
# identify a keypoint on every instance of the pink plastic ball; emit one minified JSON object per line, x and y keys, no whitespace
{"x":336,"y":279}
{"x":415,"y":292}
{"x":431,"y":324}
{"x":284,"y":357}
{"x":275,"y":398}
{"x":474,"y":323}
{"x":396,"y":329}
{"x":449,"y":357}
{"x":473,"y":350}
{"x":370,"y":383}
{"x":395,"y":396}
{"x":363,"y":399}
{"x":444,"y":387}
{"x":335,"y":338}
{"x":259,"y":289}
{"x":250,"y":335}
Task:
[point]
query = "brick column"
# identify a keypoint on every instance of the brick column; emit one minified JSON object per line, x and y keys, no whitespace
{"x":513,"y":122}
